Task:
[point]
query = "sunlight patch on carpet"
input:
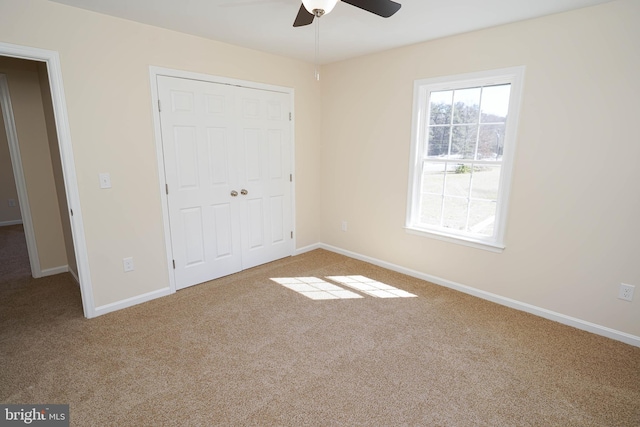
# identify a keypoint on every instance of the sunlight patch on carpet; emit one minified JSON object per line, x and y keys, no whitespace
{"x":371,"y":287}
{"x":315,"y":288}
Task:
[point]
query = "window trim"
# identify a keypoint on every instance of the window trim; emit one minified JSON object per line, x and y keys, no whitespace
{"x":421,"y":88}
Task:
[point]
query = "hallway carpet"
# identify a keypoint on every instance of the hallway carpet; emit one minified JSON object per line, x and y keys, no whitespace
{"x":14,"y":258}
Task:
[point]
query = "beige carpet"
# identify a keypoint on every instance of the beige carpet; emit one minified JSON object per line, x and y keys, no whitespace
{"x":244,"y":350}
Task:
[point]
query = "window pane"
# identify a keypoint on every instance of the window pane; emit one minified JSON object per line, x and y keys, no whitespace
{"x":463,"y":142}
{"x":458,"y":180}
{"x":460,"y":165}
{"x":430,"y":209}
{"x":454,"y":213}
{"x":466,"y":104}
{"x":486,"y":180}
{"x":495,"y":103}
{"x":438,"y":141}
{"x":433,"y":177}
{"x":491,"y":142}
{"x":482,"y":216}
{"x":440,"y":105}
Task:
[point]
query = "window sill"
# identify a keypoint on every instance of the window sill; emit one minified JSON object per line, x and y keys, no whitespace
{"x":459,"y":240}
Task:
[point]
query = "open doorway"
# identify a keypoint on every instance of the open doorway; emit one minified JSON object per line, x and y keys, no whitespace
{"x":14,"y":256}
{"x":9,"y":207}
{"x":36,"y":128}
{"x":37,"y":196}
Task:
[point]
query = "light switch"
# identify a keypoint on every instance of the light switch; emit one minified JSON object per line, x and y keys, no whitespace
{"x":12,"y":203}
{"x":105,"y":180}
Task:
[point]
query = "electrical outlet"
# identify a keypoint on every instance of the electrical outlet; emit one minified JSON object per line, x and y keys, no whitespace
{"x":105,"y":180}
{"x":344,"y":226}
{"x":12,"y":203}
{"x":626,"y":292}
{"x":128,"y":264}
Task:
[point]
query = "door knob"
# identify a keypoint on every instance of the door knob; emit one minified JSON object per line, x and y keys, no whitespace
{"x":234,"y":193}
{"x":244,"y":192}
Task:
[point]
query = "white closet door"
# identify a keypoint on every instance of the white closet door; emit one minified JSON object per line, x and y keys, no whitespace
{"x":227,"y":155}
{"x":264,"y":171}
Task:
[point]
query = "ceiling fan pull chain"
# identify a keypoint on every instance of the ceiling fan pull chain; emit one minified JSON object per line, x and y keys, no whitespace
{"x":317,"y":54}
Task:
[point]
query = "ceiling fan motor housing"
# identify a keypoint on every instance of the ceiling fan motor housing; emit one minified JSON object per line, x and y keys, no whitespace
{"x":319,"y":7}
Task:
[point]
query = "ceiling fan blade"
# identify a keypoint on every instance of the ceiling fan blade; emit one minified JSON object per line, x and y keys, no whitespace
{"x":384,"y":8}
{"x":303,"y":18}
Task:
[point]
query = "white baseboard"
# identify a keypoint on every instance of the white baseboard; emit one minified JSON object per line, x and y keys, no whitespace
{"x":75,"y":276}
{"x":59,"y":270}
{"x":53,"y":271}
{"x":309,"y":248}
{"x":14,"y":222}
{"x":542,"y":312}
{"x":130,"y":302}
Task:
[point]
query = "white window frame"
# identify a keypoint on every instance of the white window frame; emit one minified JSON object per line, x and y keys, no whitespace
{"x":421,"y":94}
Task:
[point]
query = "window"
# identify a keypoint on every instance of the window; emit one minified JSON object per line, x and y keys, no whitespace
{"x":462,"y":151}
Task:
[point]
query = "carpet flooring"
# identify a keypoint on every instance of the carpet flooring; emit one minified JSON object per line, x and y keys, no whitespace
{"x":244,"y":350}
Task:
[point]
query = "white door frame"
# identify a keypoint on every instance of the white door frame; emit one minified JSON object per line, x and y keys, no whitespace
{"x":54,"y":71}
{"x":154,"y":72}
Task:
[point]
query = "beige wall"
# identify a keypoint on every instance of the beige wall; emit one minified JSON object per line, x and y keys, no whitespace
{"x":26,"y":100}
{"x":573,"y":231}
{"x":105,"y":68}
{"x":7,"y":182}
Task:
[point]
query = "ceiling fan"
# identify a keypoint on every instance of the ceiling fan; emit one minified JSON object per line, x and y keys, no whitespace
{"x":311,"y":9}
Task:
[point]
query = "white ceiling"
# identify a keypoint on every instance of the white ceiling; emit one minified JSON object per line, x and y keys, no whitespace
{"x":346,"y":32}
